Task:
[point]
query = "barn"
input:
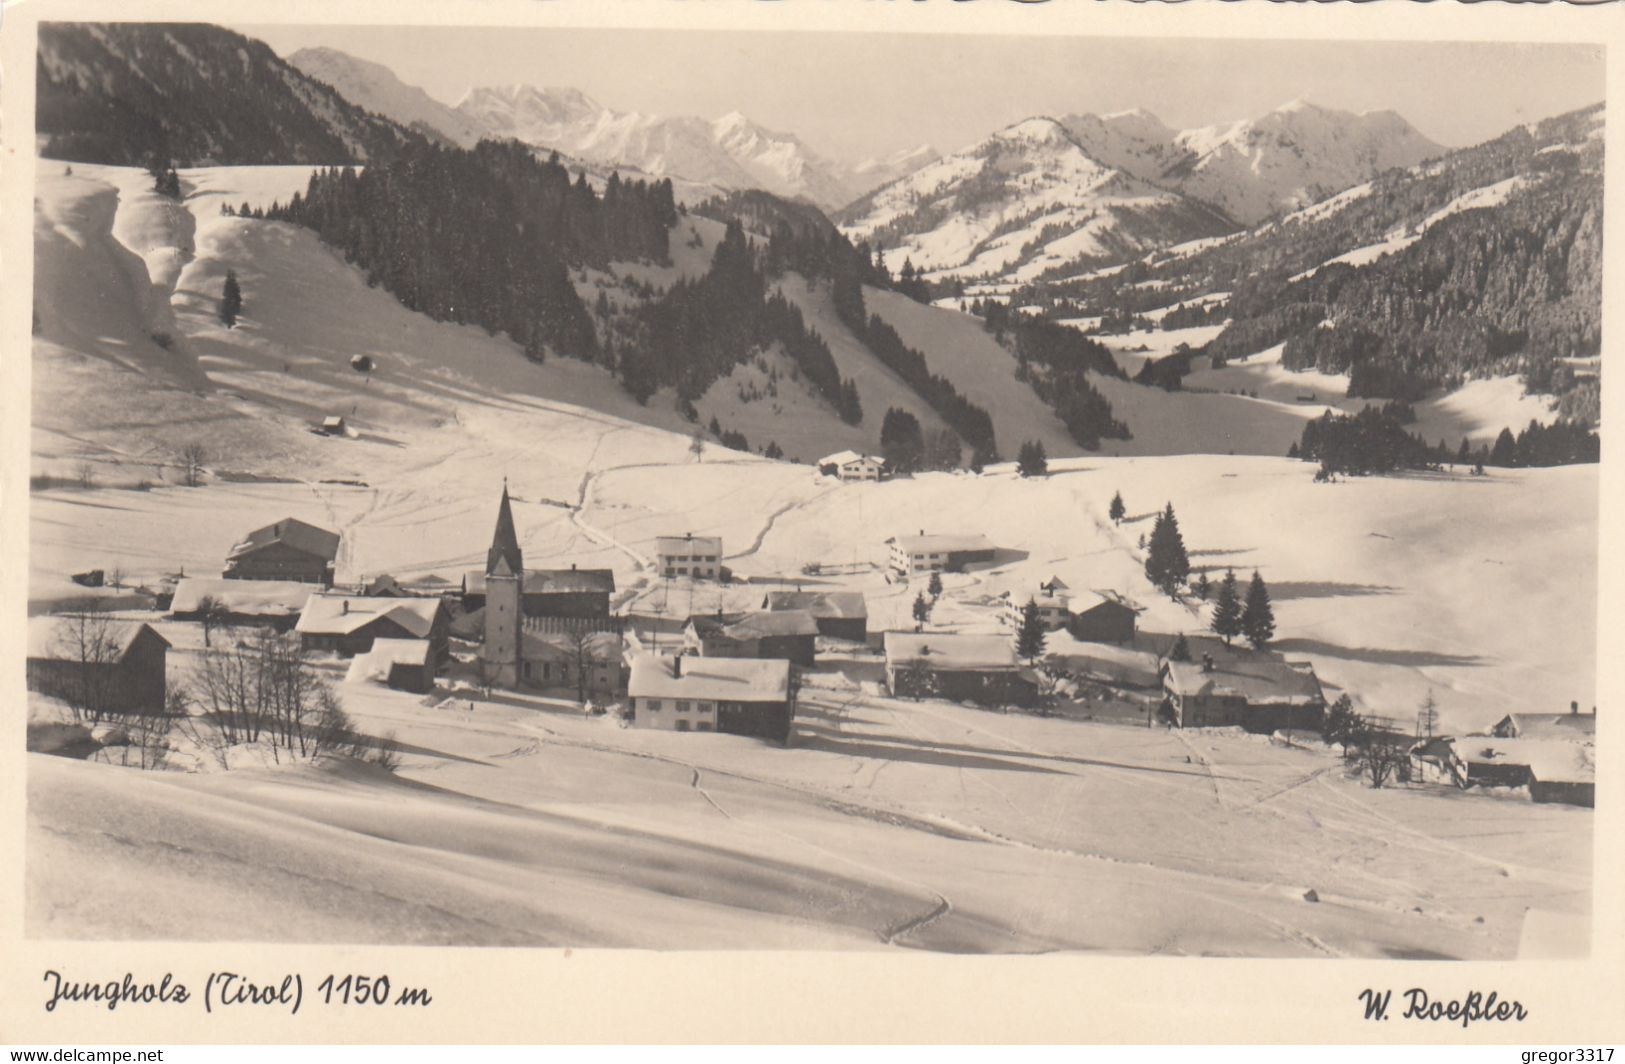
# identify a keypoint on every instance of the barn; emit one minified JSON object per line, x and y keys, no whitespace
{"x":961,"y":668}
{"x":838,"y":614}
{"x":403,"y":664}
{"x":788,"y":634}
{"x":241,"y":603}
{"x":565,"y":594}
{"x":97,"y":663}
{"x":1101,"y":617}
{"x":348,"y":624}
{"x":1259,"y":694}
{"x":291,"y":549}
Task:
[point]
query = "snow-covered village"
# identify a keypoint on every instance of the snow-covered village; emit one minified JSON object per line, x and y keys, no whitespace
{"x":525,"y":522}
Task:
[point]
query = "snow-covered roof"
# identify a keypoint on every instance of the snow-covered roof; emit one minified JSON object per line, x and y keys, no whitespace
{"x":949,"y":650}
{"x":549,"y":581}
{"x":1263,"y":682}
{"x":1575,"y":727}
{"x":841,"y":458}
{"x":942,"y":543}
{"x":385,"y":654}
{"x":291,"y":532}
{"x":715,"y":679}
{"x":343,"y":614}
{"x":688,"y":544}
{"x":55,"y":637}
{"x":772,"y":623}
{"x":1084,"y":601}
{"x":848,"y":605}
{"x":1549,"y":760}
{"x":262,"y":598}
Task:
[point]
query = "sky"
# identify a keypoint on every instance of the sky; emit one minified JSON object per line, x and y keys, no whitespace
{"x":854,"y":95}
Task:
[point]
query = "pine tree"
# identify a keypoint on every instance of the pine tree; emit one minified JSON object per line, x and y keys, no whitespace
{"x":1031,"y":460}
{"x":231,"y":301}
{"x":1031,"y":635}
{"x":1227,"y":609}
{"x":934,"y":587}
{"x":1117,"y":509}
{"x":922,"y":610}
{"x":1340,"y":724}
{"x":1258,"y":619}
{"x":1427,"y":717}
{"x":1166,"y":563}
{"x":1181,"y":650}
{"x":1203,"y":587}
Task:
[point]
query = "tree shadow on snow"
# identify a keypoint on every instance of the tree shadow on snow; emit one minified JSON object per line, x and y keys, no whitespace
{"x":1374,"y":655}
{"x":1283,"y":590}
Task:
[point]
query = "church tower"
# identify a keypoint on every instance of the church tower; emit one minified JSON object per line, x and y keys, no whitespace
{"x":504,"y":579}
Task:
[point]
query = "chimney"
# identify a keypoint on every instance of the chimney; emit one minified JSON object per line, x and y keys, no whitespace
{"x":344,"y":607}
{"x":677,"y":667}
{"x":572,"y":567}
{"x":1207,"y":662}
{"x":1574,"y":708}
{"x":922,"y":531}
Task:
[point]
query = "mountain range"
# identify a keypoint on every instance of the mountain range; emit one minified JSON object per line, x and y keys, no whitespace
{"x":726,"y":154}
{"x":1048,"y":197}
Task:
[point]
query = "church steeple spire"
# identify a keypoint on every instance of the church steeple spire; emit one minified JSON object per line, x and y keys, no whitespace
{"x":505,"y":541}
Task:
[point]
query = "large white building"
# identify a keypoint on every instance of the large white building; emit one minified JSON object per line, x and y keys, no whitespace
{"x":696,"y":557}
{"x":938,"y":552}
{"x":850,"y":465}
{"x":745,"y":696}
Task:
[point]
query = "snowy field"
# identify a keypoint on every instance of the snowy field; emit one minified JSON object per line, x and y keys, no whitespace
{"x":884,"y":822}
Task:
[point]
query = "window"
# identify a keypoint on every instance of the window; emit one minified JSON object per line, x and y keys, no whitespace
{"x":682,"y":725}
{"x":652,"y":705}
{"x":703,"y":725}
{"x":682,"y":707}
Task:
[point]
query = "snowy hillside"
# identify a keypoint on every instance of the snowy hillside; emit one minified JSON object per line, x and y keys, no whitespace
{"x":730,"y":152}
{"x":376,"y":88}
{"x":1025,"y":202}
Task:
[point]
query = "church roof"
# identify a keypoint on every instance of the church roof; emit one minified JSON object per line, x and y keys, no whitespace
{"x":505,"y":540}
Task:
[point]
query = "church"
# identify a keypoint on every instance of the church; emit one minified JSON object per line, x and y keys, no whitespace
{"x":524,"y":642}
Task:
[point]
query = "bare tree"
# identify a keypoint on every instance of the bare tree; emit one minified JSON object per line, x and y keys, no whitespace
{"x":211,"y":614}
{"x":193,"y":457}
{"x":115,"y":577}
{"x":86,"y":474}
{"x":696,"y":444}
{"x":1380,"y":752}
{"x":581,"y":643}
{"x":86,"y":646}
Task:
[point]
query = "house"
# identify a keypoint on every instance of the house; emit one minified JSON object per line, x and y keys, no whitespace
{"x":1259,"y":694}
{"x":742,"y":696}
{"x":384,"y":586}
{"x":838,"y":614}
{"x":348,"y":624}
{"x":1573,"y":726}
{"x":333,"y":425}
{"x":788,"y":634}
{"x":1554,"y":770}
{"x":1051,"y":599}
{"x":403,"y":664}
{"x":1101,"y":617}
{"x":850,"y":465}
{"x":239,"y":603}
{"x":287,"y":550}
{"x":938,"y":552}
{"x":565,"y":594}
{"x":561,"y":659}
{"x":960,"y":668}
{"x":99,"y":664}
{"x":688,"y":555}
